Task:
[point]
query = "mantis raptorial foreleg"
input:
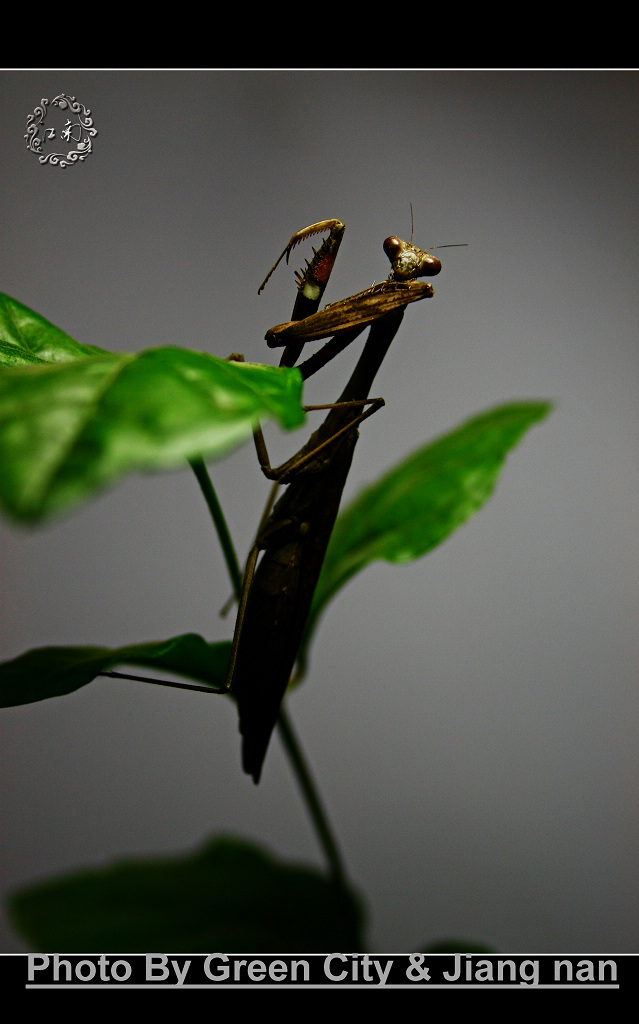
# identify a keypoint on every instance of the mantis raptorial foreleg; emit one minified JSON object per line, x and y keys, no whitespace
{"x":313,"y":280}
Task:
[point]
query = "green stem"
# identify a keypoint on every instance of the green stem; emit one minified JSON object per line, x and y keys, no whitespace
{"x":287,"y":734}
{"x":204,"y":480}
{"x":311,"y":795}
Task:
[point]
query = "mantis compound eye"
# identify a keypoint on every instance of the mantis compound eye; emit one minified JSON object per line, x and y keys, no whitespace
{"x":393,"y":246}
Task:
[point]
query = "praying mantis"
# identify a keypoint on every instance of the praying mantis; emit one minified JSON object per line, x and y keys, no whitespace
{"x":293,"y":536}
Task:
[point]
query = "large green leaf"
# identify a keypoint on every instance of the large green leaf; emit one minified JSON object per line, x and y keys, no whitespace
{"x":420,"y":502}
{"x":55,"y":671}
{"x":74,"y":418}
{"x":230,"y":896}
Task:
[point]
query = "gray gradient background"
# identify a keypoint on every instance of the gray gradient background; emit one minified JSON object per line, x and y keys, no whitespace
{"x":471,"y":718}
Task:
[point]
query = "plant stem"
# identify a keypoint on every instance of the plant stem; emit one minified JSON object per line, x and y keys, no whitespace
{"x":228,"y":550}
{"x":287,"y":733}
{"x":311,"y":795}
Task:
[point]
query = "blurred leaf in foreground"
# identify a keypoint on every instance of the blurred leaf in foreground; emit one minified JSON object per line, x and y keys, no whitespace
{"x":231,"y":896}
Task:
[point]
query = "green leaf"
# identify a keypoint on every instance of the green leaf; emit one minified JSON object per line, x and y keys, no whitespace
{"x":74,"y":418}
{"x":424,"y":499}
{"x":231,"y":895}
{"x":27,"y":338}
{"x":55,"y":671}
